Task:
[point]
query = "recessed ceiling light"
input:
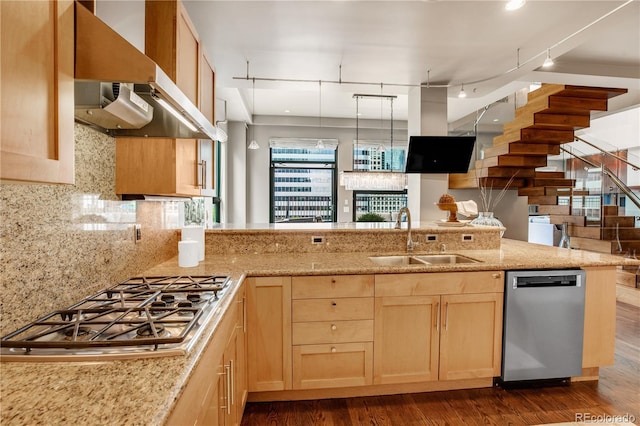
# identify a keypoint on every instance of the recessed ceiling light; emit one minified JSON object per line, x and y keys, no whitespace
{"x":495,"y":120}
{"x":286,"y":111}
{"x":359,"y":114}
{"x":514,"y":4}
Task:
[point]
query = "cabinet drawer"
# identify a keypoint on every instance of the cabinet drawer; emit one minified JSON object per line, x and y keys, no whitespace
{"x":313,"y":333}
{"x":332,"y":286}
{"x":330,"y":366}
{"x":439,"y":283}
{"x":332,"y":309}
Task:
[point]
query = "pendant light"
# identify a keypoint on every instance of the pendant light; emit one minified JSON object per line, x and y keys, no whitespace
{"x":253,"y":144}
{"x":462,"y":93}
{"x":368,"y":180}
{"x":548,"y":62}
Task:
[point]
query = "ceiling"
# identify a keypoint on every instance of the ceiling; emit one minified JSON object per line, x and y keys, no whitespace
{"x":397,"y":42}
{"x":402,"y":44}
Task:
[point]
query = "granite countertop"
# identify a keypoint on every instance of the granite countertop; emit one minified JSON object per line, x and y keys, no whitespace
{"x":142,"y":391}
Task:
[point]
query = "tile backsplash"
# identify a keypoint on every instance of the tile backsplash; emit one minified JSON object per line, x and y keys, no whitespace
{"x":60,"y":243}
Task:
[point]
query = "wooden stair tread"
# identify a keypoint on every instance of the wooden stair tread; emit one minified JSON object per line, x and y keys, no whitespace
{"x":547,"y":135}
{"x":591,"y":92}
{"x":562,"y":121}
{"x":552,"y":182}
{"x":554,"y":209}
{"x":531,"y":161}
{"x":571,"y":219}
{"x":549,"y":175}
{"x":523,"y":149}
{"x":543,"y":199}
{"x":505,"y":172}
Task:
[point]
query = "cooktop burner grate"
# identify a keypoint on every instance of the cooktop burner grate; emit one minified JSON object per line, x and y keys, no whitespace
{"x":136,"y":312}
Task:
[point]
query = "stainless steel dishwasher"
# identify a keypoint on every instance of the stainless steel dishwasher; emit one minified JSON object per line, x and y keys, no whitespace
{"x":543,"y":325}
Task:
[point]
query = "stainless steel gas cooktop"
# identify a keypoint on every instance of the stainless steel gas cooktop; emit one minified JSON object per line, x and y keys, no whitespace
{"x":140,"y":317}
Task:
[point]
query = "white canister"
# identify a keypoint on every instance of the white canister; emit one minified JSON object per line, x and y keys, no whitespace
{"x":187,"y":254}
{"x":195,"y":233}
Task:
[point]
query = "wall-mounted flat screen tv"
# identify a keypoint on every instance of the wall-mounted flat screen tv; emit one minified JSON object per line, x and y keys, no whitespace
{"x":439,"y":154}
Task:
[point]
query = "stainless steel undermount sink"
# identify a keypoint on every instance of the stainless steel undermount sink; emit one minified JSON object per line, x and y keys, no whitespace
{"x":396,"y":260}
{"x":439,"y":259}
{"x":427,"y":259}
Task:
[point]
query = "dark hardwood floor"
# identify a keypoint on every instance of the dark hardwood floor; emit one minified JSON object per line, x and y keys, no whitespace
{"x":616,"y":393}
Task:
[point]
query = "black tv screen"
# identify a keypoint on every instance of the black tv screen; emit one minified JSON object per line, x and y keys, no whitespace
{"x":439,"y":154}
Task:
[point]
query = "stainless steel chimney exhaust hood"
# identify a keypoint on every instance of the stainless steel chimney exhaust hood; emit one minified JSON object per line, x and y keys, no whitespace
{"x":122,"y":92}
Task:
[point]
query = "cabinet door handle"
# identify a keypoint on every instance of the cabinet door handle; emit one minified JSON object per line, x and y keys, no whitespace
{"x":224,"y":390}
{"x":244,"y":314}
{"x":200,"y":182}
{"x":496,"y":275}
{"x":228,"y":387}
{"x":232,"y":380}
{"x":437,"y":319}
{"x":333,"y":349}
{"x":446,"y":315}
{"x":334,"y":327}
{"x":334,"y":304}
{"x":204,"y":174}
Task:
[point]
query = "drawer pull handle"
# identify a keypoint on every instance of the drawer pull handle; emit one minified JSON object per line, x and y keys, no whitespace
{"x":334,"y":304}
{"x":333,"y":349}
{"x":333,"y":280}
{"x":496,"y":275}
{"x":334,"y":327}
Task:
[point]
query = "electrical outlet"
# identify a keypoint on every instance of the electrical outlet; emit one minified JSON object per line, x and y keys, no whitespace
{"x":317,"y":240}
{"x":467,"y":237}
{"x":137,"y":232}
{"x":431,"y":237}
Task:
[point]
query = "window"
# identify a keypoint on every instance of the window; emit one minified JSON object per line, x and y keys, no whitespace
{"x":303,"y":184}
{"x":384,"y":203}
{"x":374,"y":156}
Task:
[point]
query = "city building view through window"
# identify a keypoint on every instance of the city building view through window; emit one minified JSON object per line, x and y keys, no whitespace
{"x":378,"y":157}
{"x":303,"y":184}
{"x":303,"y":181}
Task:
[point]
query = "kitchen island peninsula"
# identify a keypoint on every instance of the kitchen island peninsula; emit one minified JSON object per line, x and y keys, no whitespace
{"x":303,"y":299}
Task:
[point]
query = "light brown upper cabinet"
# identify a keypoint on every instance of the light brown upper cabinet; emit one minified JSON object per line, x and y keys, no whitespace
{"x":172,"y":42}
{"x":157,"y":166}
{"x":36,"y":91}
{"x":206,"y":154}
{"x":183,"y":167}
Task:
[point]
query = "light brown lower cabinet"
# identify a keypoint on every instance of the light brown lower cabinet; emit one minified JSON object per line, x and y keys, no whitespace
{"x":423,"y":337}
{"x":216,"y":392}
{"x":332,"y":331}
{"x":315,"y":334}
{"x":268,"y":333}
{"x":599,"y":317}
{"x":406,"y":339}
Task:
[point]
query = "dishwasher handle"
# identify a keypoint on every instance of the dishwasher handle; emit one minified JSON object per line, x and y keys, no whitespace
{"x":573,"y":280}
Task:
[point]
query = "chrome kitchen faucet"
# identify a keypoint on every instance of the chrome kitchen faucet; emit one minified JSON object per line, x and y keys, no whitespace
{"x":410,"y":243}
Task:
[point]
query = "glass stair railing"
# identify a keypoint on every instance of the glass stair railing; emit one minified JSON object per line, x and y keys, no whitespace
{"x":600,"y":183}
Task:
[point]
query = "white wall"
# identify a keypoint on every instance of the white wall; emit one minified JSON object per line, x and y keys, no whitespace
{"x":428,"y":116}
{"x":235,"y":168}
{"x":512,"y":211}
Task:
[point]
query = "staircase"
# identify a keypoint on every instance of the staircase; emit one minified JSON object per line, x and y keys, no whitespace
{"x":547,"y":121}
